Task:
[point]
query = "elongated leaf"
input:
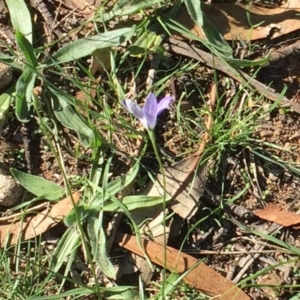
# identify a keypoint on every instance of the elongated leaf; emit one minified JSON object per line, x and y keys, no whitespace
{"x":115,"y":186}
{"x":65,"y":249}
{"x":135,"y":202}
{"x":65,"y":113}
{"x":128,"y":7}
{"x":24,"y":89}
{"x":5,"y":100}
{"x":100,"y":197}
{"x":26,"y":49}
{"x":85,"y":46}
{"x":216,"y":39}
{"x":194,"y":10}
{"x":98,"y":243}
{"x":115,"y":292}
{"x":20,"y":17}
{"x":82,"y":291}
{"x":38,"y":186}
{"x":9,"y":60}
{"x":120,"y":293}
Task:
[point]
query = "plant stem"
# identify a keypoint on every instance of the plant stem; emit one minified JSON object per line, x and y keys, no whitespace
{"x":162,"y":171}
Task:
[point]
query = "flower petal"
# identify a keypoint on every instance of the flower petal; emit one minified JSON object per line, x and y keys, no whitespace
{"x":150,"y":120}
{"x":163,"y":104}
{"x":133,"y":108}
{"x":150,"y":107}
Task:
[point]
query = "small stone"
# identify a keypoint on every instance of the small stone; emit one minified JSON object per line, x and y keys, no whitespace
{"x":5,"y":75}
{"x":10,"y":191}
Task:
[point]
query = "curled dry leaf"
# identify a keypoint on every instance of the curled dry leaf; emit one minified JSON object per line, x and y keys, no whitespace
{"x":200,"y":275}
{"x":34,"y":225}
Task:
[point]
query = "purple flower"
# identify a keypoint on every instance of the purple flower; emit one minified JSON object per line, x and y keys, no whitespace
{"x":148,"y":114}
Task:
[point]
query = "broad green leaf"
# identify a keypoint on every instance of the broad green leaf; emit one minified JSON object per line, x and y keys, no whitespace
{"x":71,"y":218}
{"x":38,"y":186}
{"x":20,"y":17}
{"x":194,"y":10}
{"x":127,"y":7}
{"x":86,"y":46}
{"x":134,"y":202}
{"x":26,"y":49}
{"x":216,"y":39}
{"x":65,"y":113}
{"x":24,"y":87}
{"x":98,"y":244}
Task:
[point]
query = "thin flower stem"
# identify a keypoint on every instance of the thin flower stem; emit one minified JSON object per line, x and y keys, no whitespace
{"x":162,"y":171}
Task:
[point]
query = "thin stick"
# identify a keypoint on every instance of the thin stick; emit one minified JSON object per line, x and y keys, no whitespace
{"x":19,"y":214}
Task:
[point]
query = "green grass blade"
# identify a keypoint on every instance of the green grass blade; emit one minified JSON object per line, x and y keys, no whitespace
{"x":38,"y":186}
{"x":24,"y":89}
{"x":86,"y":46}
{"x":127,"y":7}
{"x":20,"y":17}
{"x":26,"y":49}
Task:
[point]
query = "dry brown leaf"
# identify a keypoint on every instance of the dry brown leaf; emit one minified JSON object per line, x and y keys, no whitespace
{"x":85,"y":97}
{"x":275,"y":213}
{"x":35,"y":225}
{"x":231,"y":20}
{"x":85,"y":7}
{"x":184,"y":183}
{"x":100,"y":60}
{"x":201,"y":277}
